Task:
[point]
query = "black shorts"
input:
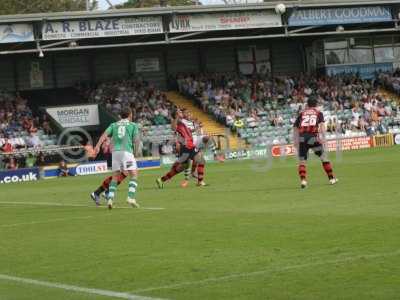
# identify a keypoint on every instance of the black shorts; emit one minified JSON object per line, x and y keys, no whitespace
{"x":186,"y":154}
{"x":307,"y":142}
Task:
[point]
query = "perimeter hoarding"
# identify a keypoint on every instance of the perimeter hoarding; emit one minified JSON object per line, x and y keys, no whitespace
{"x":75,"y":116}
{"x":341,"y":15}
{"x":224,"y":21}
{"x":16,"y":33}
{"x":56,"y":30}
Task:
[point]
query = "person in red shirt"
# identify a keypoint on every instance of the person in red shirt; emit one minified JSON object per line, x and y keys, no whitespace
{"x":185,"y":148}
{"x":308,"y":130}
{"x":7,"y":147}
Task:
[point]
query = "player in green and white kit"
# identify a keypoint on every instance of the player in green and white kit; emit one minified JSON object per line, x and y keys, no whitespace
{"x":124,"y":136}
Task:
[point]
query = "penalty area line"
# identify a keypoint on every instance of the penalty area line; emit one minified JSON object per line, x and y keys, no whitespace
{"x":74,"y":205}
{"x":45,"y":222}
{"x":73,"y":288}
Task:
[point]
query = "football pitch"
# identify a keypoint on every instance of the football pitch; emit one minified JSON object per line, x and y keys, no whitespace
{"x":251,"y":234}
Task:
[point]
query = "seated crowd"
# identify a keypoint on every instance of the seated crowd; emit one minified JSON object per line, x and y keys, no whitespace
{"x":20,"y":129}
{"x":263,"y":110}
{"x":151,"y":108}
{"x":149,"y":104}
{"x":391,"y":81}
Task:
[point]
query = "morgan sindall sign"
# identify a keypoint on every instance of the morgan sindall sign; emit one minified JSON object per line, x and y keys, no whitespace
{"x":343,"y":15}
{"x":75,"y":116}
{"x":101,"y":28}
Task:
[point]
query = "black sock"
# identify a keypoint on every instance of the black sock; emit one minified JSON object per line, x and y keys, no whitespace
{"x":99,"y":190}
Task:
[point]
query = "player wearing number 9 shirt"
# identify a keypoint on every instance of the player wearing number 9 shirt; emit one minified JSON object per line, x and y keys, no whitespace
{"x":308,"y":133}
{"x":124,"y":136}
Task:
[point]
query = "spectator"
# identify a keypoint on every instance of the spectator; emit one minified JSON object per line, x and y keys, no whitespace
{"x":63,"y":170}
{"x":34,"y":141}
{"x":46,"y":127}
{"x":12,"y":164}
{"x":30,"y":161}
{"x":2,"y":163}
{"x":40,"y":160}
{"x":7,"y":147}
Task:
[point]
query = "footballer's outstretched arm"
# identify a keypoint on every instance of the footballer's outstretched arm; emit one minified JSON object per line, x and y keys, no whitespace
{"x":136,"y":143}
{"x":102,"y":139}
{"x":322,"y":131}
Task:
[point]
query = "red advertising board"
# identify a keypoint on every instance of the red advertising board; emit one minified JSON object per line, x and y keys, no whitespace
{"x":331,"y":145}
{"x":349,"y":144}
{"x":283,"y":150}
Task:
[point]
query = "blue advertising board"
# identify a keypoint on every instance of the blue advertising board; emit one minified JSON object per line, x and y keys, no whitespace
{"x":96,"y":167}
{"x":342,"y":15}
{"x":149,"y":163}
{"x":366,"y":71}
{"x":16,"y":33}
{"x":19,"y":175}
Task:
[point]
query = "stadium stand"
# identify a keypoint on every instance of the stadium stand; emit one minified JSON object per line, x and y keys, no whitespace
{"x":263,"y":110}
{"x":24,"y":135}
{"x":20,"y":126}
{"x":151,"y":107}
{"x":391,"y":81}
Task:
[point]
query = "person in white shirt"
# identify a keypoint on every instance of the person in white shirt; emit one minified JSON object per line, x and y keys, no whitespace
{"x":34,"y":141}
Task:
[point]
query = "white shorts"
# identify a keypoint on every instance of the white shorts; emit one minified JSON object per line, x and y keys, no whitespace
{"x":197,"y":140}
{"x":123,"y":161}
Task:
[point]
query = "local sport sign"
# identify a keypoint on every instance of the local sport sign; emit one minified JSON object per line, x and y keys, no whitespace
{"x":75,"y":116}
{"x":20,"y":175}
{"x":92,"y":168}
{"x":97,"y":28}
{"x":342,"y":15}
{"x":224,"y":21}
{"x":16,"y":33}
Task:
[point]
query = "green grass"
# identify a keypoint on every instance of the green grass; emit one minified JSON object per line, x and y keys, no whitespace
{"x":251,"y":234}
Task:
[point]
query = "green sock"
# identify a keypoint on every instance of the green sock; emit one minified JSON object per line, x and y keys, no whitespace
{"x":112,"y":189}
{"x":132,"y":188}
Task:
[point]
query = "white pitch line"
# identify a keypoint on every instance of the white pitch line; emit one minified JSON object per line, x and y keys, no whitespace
{"x":74,"y":205}
{"x":267,"y":271}
{"x":74,"y":288}
{"x":45,"y":222}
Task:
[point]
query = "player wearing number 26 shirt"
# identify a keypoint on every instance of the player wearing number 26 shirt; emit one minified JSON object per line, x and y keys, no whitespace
{"x":308,"y":134}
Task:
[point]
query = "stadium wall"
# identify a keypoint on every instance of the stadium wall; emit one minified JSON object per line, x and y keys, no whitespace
{"x":60,"y":70}
{"x":71,"y":68}
{"x":286,"y":57}
{"x":6,"y":75}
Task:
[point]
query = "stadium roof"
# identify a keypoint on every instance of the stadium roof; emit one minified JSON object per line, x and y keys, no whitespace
{"x":184,"y":9}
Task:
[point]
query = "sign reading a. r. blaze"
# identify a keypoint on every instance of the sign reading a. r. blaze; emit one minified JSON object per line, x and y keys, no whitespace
{"x":102,"y":28}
